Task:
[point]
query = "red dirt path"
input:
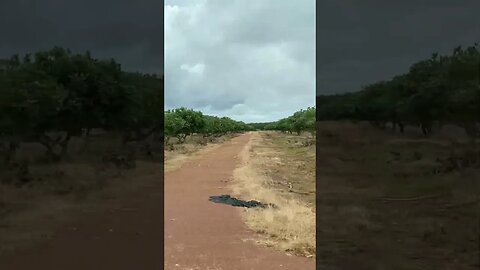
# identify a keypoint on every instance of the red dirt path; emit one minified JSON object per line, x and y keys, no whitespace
{"x":200,"y":234}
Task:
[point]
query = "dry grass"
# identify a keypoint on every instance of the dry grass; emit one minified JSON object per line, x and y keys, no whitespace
{"x":290,"y":226}
{"x":365,"y":175}
{"x":175,"y":159}
{"x":57,"y":192}
{"x":177,"y":154}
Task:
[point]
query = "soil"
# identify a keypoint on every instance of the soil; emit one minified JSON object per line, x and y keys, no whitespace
{"x":199,"y":234}
{"x":125,"y":236}
{"x":386,"y":202}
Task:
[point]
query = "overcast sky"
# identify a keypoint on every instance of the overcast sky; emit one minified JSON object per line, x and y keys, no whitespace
{"x":129,"y":31}
{"x":360,"y":42}
{"x":251,"y":60}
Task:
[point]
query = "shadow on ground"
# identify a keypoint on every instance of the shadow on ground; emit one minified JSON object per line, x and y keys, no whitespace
{"x":227,"y":199}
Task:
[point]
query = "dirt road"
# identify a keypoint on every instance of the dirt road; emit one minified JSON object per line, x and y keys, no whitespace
{"x":203,"y":235}
{"x":199,"y":234}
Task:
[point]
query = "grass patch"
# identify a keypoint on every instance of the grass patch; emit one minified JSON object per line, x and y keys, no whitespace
{"x":177,"y":154}
{"x":383,"y":207}
{"x":37,"y":196}
{"x":291,"y":225}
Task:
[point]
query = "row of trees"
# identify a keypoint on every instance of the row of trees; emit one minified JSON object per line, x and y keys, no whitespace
{"x":303,"y":120}
{"x":54,"y":95}
{"x":442,"y":89}
{"x":183,"y":122}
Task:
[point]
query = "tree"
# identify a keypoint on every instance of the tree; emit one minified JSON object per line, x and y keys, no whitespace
{"x":441,"y":89}
{"x":56,"y":95}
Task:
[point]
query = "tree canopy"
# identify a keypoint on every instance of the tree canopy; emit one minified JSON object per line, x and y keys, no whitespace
{"x":444,"y":89}
{"x":59,"y":91}
{"x":183,"y":122}
{"x":303,"y":120}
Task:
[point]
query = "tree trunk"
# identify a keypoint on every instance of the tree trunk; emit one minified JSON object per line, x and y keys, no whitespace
{"x":64,"y":145}
{"x":426,"y":129}
{"x":182,"y":138}
{"x":137,"y":135}
{"x":86,"y":139}
{"x":11,"y":151}
{"x":49,"y":145}
{"x":402,"y":127}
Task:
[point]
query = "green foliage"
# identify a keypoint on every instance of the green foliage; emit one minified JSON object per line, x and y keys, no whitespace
{"x":259,"y":126}
{"x":303,"y":120}
{"x":444,"y":89}
{"x":183,"y":122}
{"x":190,"y":122}
{"x":58,"y":91}
{"x":173,"y":125}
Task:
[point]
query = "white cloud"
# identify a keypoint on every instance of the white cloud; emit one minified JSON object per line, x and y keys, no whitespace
{"x":195,"y":69}
{"x":252,"y":60}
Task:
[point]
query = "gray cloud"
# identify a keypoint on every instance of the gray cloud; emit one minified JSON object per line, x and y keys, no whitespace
{"x":129,"y":31}
{"x":246,"y":59}
{"x":359,"y":42}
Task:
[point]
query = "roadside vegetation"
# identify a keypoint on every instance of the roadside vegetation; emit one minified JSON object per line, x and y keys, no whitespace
{"x":443,"y":90}
{"x":75,"y":131}
{"x":189,"y":132}
{"x":278,"y":167}
{"x":399,"y":169}
{"x":182,"y":122}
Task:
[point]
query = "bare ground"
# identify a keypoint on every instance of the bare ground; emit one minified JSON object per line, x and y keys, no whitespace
{"x":87,"y":212}
{"x":391,"y":201}
{"x":63,"y":209}
{"x":39,"y":197}
{"x":200,"y":234}
{"x":81,"y":212}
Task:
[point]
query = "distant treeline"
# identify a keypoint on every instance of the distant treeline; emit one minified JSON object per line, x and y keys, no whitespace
{"x":442,"y":90}
{"x":260,"y":126}
{"x":183,"y":122}
{"x":66,"y":94}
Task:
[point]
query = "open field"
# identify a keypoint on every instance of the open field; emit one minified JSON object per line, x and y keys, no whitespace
{"x":279,"y":168}
{"x":38,"y":196}
{"x":392,"y":201}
